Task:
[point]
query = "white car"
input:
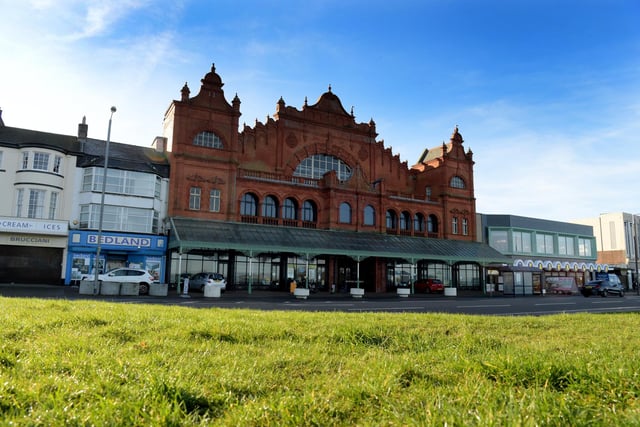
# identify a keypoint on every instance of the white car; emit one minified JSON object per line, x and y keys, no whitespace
{"x":127,"y":275}
{"x":198,"y":281}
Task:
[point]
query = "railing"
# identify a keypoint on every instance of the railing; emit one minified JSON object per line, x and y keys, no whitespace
{"x":249,"y":219}
{"x":290,"y":222}
{"x":276,"y":177}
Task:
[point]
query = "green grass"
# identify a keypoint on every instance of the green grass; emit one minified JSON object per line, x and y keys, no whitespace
{"x":81,"y":363}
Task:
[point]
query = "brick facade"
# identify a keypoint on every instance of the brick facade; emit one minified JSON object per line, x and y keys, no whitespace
{"x":264,"y":174}
{"x":262,"y":159}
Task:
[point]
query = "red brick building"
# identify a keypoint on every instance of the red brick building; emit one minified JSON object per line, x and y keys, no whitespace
{"x":312,"y":195}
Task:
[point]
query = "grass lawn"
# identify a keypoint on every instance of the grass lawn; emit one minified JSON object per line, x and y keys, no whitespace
{"x":106,"y":364}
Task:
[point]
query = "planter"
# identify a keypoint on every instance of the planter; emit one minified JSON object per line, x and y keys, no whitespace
{"x":357,"y":292}
{"x":110,"y":288}
{"x":87,"y":288}
{"x":159,"y":289}
{"x":129,"y":288}
{"x":212,"y":291}
{"x":403,"y":292}
{"x":301,"y":293}
{"x":450,"y":292}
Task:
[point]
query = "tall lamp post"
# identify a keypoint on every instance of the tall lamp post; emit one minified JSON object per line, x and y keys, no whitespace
{"x":635,"y":252}
{"x":96,"y":264}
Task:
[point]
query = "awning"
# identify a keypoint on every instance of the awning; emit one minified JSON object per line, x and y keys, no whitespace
{"x":195,"y":235}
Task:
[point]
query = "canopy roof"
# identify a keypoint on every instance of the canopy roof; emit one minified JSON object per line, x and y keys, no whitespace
{"x":189,"y":235}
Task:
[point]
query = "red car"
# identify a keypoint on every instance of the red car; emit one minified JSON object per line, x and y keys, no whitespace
{"x":428,"y":285}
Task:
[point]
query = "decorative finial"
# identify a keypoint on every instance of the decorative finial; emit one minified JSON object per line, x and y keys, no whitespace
{"x":329,"y":87}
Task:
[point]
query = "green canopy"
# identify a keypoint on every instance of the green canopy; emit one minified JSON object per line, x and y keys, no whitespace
{"x":189,"y":235}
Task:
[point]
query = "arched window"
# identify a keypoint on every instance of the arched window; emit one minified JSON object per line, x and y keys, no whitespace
{"x":392,"y":220}
{"x":345,"y":213}
{"x":456,"y":182}
{"x":249,"y":205}
{"x":270,"y":207}
{"x":207,"y":139}
{"x":290,"y":209}
{"x":317,"y":165}
{"x":309,"y":211}
{"x":418,"y":223}
{"x":432,"y":224}
{"x":369,"y":215}
{"x":405,"y":221}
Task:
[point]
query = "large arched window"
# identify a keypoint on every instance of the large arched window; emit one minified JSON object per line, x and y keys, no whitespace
{"x":405,"y":221}
{"x":270,"y":207}
{"x":369,"y":215}
{"x":392,"y":220}
{"x":249,"y":205}
{"x":418,"y":223}
{"x":345,"y":213}
{"x":432,"y":224}
{"x":309,"y":211}
{"x":290,"y":209}
{"x":207,"y":139}
{"x":317,"y":165}
{"x":457,"y":182}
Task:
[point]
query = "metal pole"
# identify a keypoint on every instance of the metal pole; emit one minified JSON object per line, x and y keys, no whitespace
{"x":635,"y":251}
{"x":104,"y":189}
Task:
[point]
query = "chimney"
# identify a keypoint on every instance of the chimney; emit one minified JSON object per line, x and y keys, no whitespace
{"x":159,"y":144}
{"x":83,"y":129}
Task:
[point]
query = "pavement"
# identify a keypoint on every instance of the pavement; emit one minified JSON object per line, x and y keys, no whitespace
{"x":71,"y":292}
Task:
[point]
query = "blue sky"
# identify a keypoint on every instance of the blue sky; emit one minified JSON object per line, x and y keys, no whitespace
{"x":545,"y":93}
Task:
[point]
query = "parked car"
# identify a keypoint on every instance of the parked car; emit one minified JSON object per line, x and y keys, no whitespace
{"x":198,"y":281}
{"x":126,"y":275}
{"x":428,"y":285}
{"x":180,"y":278}
{"x":603,"y":288}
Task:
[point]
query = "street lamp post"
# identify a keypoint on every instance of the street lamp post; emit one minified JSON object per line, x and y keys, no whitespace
{"x":635,"y":252}
{"x":96,"y":263}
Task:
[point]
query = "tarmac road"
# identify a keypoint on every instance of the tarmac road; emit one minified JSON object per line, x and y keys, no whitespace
{"x":324,"y":301}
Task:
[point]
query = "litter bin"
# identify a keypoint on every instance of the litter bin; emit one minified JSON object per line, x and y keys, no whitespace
{"x":212,"y":290}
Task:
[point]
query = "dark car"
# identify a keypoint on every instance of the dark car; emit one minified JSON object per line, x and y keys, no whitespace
{"x":428,"y":285}
{"x":198,"y":281}
{"x":603,"y":288}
